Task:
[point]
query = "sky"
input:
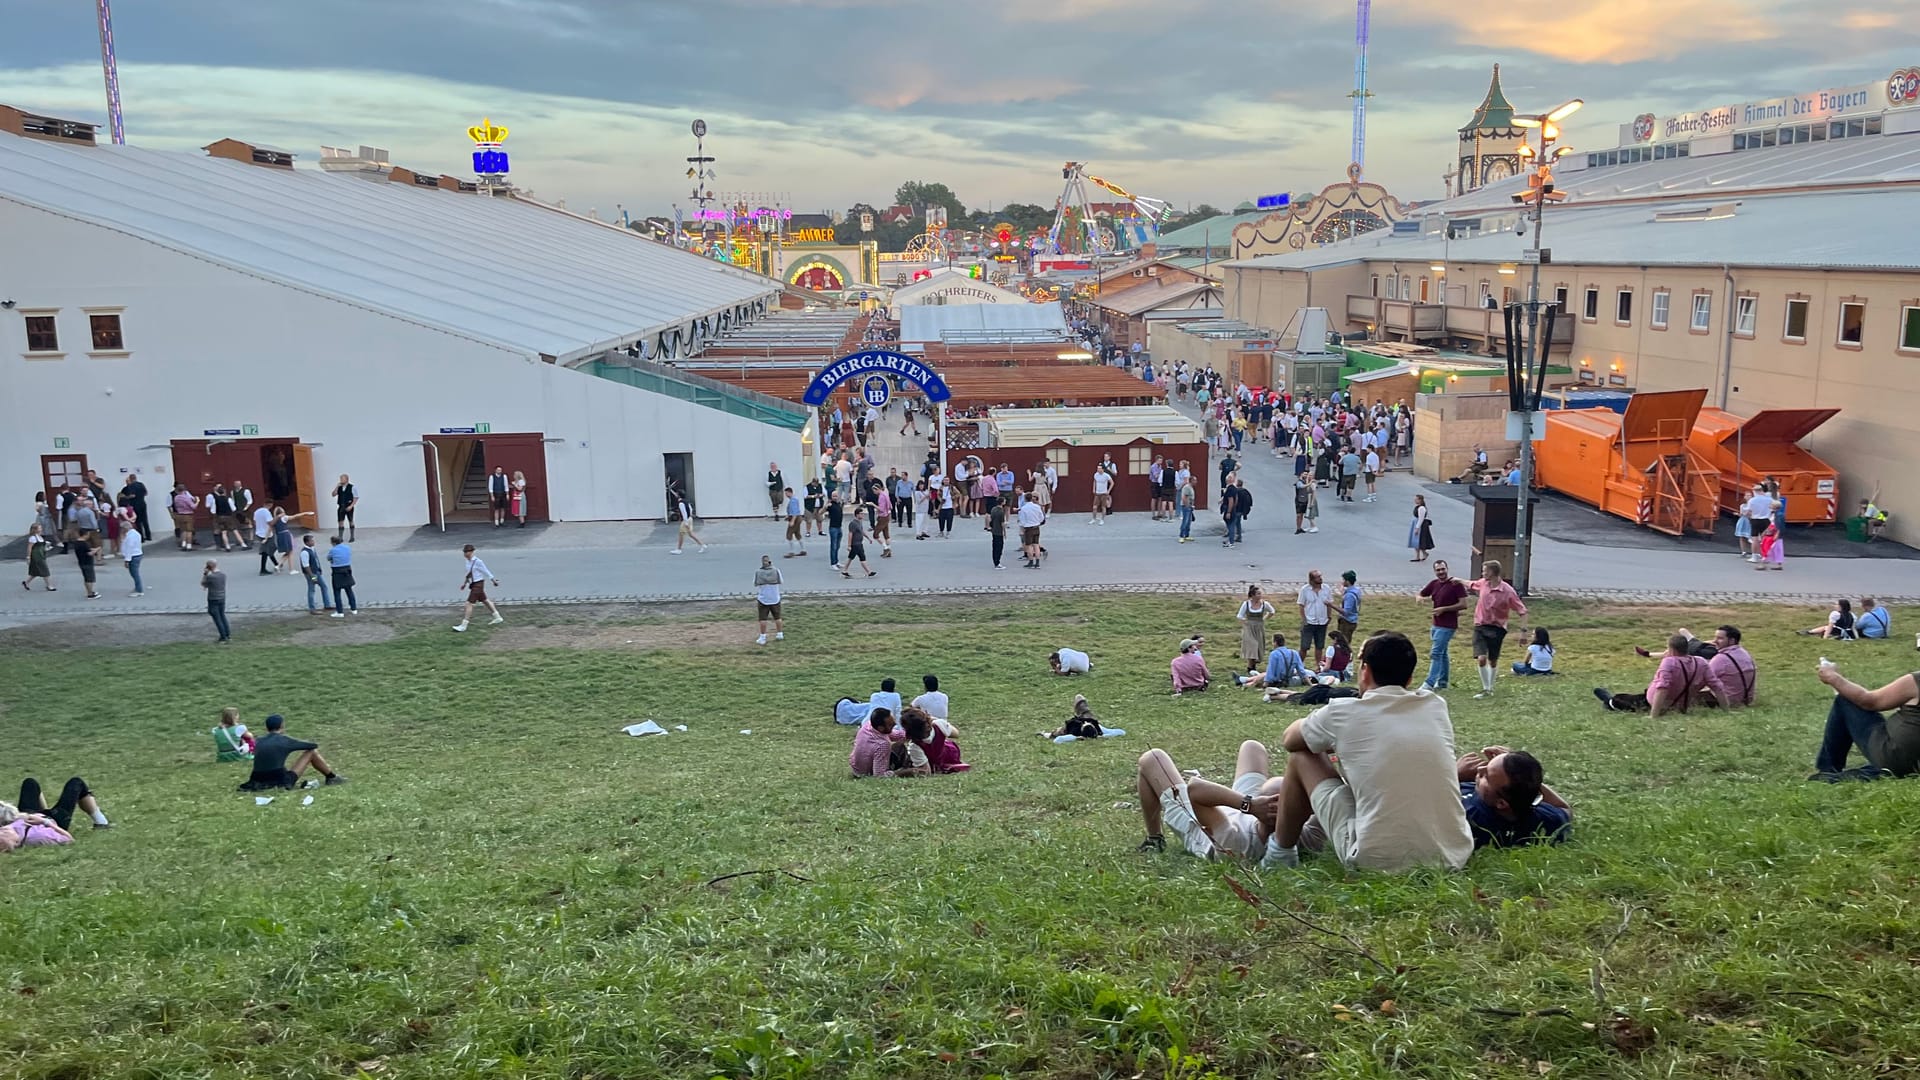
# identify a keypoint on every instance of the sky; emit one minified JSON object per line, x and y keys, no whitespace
{"x":829,"y":102}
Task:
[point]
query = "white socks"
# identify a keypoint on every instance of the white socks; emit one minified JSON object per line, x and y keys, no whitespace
{"x":1486,"y":679}
{"x":1276,"y":855}
{"x":99,"y":818}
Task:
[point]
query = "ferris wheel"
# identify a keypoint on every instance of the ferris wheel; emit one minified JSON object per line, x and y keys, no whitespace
{"x":927,"y":247}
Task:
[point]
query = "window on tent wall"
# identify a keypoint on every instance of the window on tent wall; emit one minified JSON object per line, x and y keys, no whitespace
{"x":1057,"y":457}
{"x":1406,"y":286}
{"x":1590,"y":304}
{"x":105,"y":326}
{"x":1702,"y":319}
{"x":1662,"y":305}
{"x":43,"y":333}
{"x":1623,"y":307}
{"x":1393,"y":287}
{"x":1853,"y":323}
{"x":1910,"y":327}
{"x":1139,"y":460}
{"x":1373,"y":285}
{"x":1560,"y":296}
{"x":1746,"y":311}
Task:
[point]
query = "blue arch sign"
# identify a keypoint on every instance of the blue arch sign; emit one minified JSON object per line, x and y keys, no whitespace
{"x":875,"y":362}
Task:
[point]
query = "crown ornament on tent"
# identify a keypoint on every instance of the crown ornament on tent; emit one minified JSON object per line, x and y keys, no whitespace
{"x":486,"y":134}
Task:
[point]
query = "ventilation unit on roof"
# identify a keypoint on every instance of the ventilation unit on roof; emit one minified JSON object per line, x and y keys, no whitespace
{"x":1699,"y":213}
{"x":1406,"y":228}
{"x":48,"y":128}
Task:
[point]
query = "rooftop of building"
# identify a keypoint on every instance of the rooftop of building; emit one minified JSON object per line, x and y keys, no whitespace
{"x":935,"y":322}
{"x":503,"y":270}
{"x":1495,"y":111}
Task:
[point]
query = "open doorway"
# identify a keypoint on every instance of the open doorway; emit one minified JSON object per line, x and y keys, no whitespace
{"x":679,"y":480}
{"x":457,"y":467}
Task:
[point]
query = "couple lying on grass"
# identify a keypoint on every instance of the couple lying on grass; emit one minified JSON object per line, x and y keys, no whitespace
{"x":33,"y":823}
{"x":920,"y":744}
{"x":1398,"y":797}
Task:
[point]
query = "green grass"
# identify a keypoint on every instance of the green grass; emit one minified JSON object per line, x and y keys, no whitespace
{"x":510,"y":888}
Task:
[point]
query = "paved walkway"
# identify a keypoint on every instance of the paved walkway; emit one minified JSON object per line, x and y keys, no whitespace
{"x":630,"y":561}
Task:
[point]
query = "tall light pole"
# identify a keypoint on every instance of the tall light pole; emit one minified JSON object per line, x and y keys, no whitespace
{"x":1539,"y":192}
{"x":700,"y":171}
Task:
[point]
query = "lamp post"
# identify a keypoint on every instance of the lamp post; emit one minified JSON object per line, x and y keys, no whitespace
{"x":1539,"y":192}
{"x":700,"y":171}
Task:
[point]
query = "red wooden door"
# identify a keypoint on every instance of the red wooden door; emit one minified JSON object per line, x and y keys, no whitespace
{"x":524,"y":453}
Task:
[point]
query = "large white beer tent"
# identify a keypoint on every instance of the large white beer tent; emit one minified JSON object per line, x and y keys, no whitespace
{"x":188,"y":315}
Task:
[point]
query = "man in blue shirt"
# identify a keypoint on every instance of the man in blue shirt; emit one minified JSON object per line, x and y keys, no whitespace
{"x":1873,"y":620}
{"x":1506,"y":802}
{"x":1349,"y":617}
{"x":340,"y":559}
{"x":1284,"y":668}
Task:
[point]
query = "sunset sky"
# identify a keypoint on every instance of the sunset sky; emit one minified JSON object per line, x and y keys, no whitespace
{"x":835,"y":101}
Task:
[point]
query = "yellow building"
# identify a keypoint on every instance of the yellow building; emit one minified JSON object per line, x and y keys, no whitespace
{"x":1768,"y":251}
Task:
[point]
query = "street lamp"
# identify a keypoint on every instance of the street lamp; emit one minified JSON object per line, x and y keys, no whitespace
{"x":1538,"y":193}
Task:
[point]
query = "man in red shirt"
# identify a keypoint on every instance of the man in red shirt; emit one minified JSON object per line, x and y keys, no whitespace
{"x":1448,"y":595}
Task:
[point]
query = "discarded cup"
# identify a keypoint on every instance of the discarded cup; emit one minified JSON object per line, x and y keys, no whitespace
{"x":262,"y":800}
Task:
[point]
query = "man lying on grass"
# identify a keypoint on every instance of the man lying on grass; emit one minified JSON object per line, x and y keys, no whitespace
{"x":1507,"y":802}
{"x":1393,"y":802}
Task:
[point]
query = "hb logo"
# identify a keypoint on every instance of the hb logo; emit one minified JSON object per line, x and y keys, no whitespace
{"x":1643,"y":127}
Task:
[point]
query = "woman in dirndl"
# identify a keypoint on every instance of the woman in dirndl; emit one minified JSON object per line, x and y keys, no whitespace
{"x":1253,"y":627}
{"x":1420,"y":530}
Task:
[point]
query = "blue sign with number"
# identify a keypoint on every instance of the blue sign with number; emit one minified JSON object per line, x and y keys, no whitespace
{"x":490,"y":162}
{"x":876,"y":391}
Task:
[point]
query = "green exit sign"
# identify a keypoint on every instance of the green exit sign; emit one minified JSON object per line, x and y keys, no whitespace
{"x":483,"y":429}
{"x":249,"y":429}
{"x":61,"y":443}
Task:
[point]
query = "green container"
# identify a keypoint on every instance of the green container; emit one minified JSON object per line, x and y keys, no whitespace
{"x":1857,"y":529}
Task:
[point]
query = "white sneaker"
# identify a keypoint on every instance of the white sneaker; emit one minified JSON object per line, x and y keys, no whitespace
{"x":496,"y":620}
{"x":780,"y":635}
{"x":761,"y":640}
{"x":335,"y":615}
{"x":674,"y":551}
{"x":1280,"y":857}
{"x":1483,"y":694}
{"x":460,"y":629}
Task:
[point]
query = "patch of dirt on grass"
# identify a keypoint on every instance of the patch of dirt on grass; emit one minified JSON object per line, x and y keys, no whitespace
{"x":351,"y":631}
{"x":1659,"y":616}
{"x":638,"y":636}
{"x":82,"y":632}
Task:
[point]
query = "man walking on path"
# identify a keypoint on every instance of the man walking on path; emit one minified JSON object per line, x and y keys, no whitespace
{"x":1497,"y":603}
{"x":857,"y":542}
{"x":476,"y":585}
{"x":1102,"y":493}
{"x":686,"y":527}
{"x":815,"y":506}
{"x":214,"y":580}
{"x":836,"y":517}
{"x":795,"y":546}
{"x":131,"y":550}
{"x":766,"y":589}
{"x":340,"y":559}
{"x":1448,"y":595}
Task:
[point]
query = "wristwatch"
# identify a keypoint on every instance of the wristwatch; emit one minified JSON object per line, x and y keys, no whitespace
{"x":1246,"y":804}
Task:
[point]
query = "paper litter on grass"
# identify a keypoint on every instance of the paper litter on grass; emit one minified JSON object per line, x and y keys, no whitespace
{"x":746,"y":731}
{"x":262,"y":800}
{"x":308,"y":801}
{"x":645,"y":727}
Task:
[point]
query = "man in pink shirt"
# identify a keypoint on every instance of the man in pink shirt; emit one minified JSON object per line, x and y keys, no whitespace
{"x":873,"y":747}
{"x":1189,"y":668}
{"x":1681,"y":678}
{"x":1497,"y":603}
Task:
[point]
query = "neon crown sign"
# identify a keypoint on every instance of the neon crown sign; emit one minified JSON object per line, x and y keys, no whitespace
{"x":488,"y":158}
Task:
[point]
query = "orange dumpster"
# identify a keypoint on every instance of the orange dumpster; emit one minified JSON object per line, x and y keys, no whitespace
{"x":1767,"y":444}
{"x":1637,"y":466}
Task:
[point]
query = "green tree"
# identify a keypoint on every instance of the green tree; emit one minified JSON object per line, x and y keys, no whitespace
{"x":1197,"y":214}
{"x":920,"y":194}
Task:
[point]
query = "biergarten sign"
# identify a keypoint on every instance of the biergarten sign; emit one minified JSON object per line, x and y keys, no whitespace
{"x":875,"y":362}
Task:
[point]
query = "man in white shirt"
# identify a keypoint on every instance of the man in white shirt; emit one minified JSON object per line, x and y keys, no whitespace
{"x":1316,"y":603}
{"x":1032,"y":515}
{"x":1753,"y":521}
{"x":766,"y":595}
{"x":887,"y":697}
{"x":476,"y":585}
{"x":1070,"y":662}
{"x":1372,"y":469}
{"x":263,"y":536}
{"x":934,"y":701}
{"x":1393,"y":800}
{"x":1102,"y":494}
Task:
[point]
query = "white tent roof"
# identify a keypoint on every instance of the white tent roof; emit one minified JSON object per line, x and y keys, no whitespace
{"x":954,"y":285}
{"x":507,"y":271}
{"x":926,"y":322}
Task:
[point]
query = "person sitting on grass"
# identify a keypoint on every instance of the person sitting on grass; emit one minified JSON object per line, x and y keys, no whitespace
{"x":1873,"y":622}
{"x":932,"y":738}
{"x":1506,"y":802}
{"x":1337,"y":661}
{"x":231,"y":739}
{"x":1070,"y":662}
{"x":74,"y":795}
{"x":1839,"y":625}
{"x":1681,"y":677}
{"x":1539,"y":659}
{"x":279,"y":759}
{"x":1731,"y":675}
{"x":1210,"y":820}
{"x":1891,"y":744}
{"x":887,"y":697}
{"x":873,"y":749}
{"x":1374,"y":779}
{"x":1189,"y":668}
{"x":1285,"y":667}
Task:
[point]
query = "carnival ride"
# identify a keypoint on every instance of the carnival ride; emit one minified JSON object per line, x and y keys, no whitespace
{"x":1077,"y":230}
